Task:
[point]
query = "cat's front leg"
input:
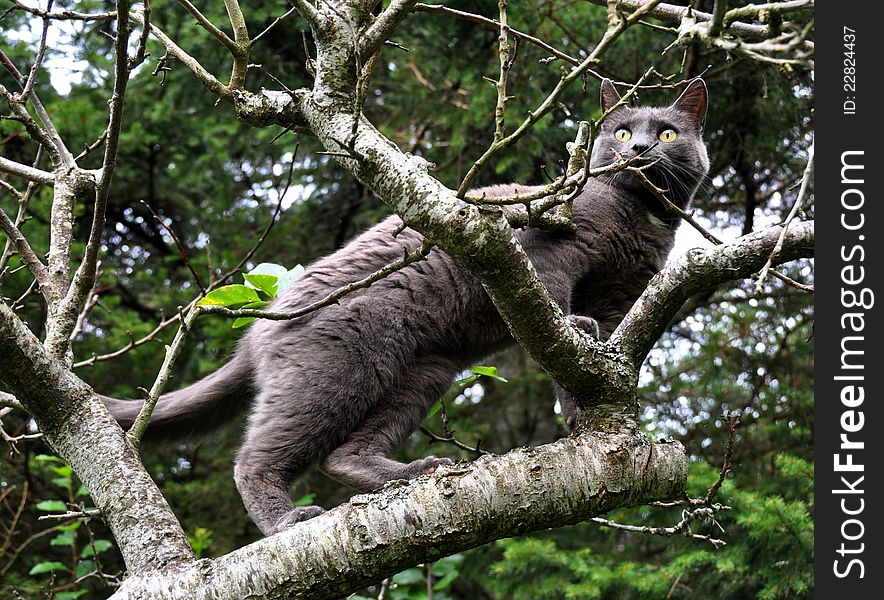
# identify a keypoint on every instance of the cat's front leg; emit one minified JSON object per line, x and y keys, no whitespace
{"x":567,"y":404}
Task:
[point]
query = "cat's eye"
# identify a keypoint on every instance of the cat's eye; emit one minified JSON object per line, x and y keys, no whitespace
{"x":622,"y":135}
{"x":667,"y":135}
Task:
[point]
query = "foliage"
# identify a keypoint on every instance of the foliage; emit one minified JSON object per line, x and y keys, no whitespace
{"x":769,"y":555}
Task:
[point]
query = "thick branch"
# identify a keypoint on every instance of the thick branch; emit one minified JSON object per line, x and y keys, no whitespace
{"x":63,"y":320}
{"x":26,"y":172}
{"x":701,"y":269}
{"x":457,"y":508}
{"x":380,"y":30}
{"x":80,"y":430}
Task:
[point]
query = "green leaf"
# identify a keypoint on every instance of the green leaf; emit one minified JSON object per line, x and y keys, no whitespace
{"x":65,"y":538}
{"x":271,"y":269}
{"x":47,"y":567}
{"x":63,"y":470}
{"x":48,"y":458}
{"x":52,"y":506}
{"x":97,"y":547}
{"x":243,"y":321}
{"x":436,"y":408}
{"x":445,"y":581}
{"x":269,"y":284}
{"x":82,"y":491}
{"x":85,"y":567}
{"x":62,"y":482}
{"x":230,"y":296}
{"x":409,"y":576}
{"x":487,"y":372}
{"x":70,"y":526}
{"x":304,"y":500}
{"x":69,"y":595}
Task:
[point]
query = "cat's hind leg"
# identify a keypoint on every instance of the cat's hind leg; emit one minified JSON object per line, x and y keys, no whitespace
{"x":362,"y":461}
{"x":283,"y":439}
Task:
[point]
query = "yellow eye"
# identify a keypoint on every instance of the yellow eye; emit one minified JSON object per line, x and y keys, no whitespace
{"x":622,"y":135}
{"x":667,"y":135}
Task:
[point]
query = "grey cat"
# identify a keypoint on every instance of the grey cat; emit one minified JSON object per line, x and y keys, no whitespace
{"x":343,"y":386}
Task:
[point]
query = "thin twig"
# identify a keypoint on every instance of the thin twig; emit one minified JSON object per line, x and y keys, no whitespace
{"x":38,"y":61}
{"x":805,"y":178}
{"x":141,"y":52}
{"x":731,"y":421}
{"x":173,"y":350}
{"x":182,"y":251}
{"x":454,"y":441}
{"x":683,"y":527}
{"x":275,"y":22}
{"x":209,"y":26}
{"x":64,"y":15}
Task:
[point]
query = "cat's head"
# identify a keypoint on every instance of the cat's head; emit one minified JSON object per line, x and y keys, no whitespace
{"x":669,"y":138}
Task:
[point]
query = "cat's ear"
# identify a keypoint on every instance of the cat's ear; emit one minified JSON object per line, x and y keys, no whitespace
{"x":693,"y":101}
{"x":609,"y":95}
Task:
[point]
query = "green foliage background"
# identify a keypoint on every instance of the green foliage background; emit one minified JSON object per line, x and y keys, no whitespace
{"x":216,"y":183}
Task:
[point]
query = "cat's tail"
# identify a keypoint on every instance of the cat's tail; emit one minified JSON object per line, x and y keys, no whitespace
{"x":197,"y":409}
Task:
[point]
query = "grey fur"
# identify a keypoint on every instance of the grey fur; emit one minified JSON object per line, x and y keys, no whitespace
{"x":343,"y":386}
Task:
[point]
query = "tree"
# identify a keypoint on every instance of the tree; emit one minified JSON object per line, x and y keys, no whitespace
{"x":371,"y":537}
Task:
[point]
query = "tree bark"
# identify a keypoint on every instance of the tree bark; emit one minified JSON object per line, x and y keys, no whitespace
{"x":459,"y":507}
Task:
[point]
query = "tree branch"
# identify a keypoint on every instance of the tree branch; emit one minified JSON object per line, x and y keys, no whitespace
{"x":78,"y":427}
{"x":701,"y":269}
{"x":26,"y":172}
{"x":27,"y":255}
{"x":379,"y":31}
{"x":459,"y":507}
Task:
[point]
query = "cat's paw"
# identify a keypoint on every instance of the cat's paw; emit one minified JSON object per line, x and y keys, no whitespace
{"x":432,"y":462}
{"x":296,"y":515}
{"x":585,"y":324}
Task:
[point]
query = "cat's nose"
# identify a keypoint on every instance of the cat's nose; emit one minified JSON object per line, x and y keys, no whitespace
{"x":639,"y":148}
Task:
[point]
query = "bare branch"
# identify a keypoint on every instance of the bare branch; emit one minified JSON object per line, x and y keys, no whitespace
{"x":683,"y":527}
{"x":209,"y":26}
{"x":309,"y":12}
{"x":616,"y":27}
{"x":141,"y":52}
{"x":182,"y":252}
{"x":10,"y":401}
{"x":12,"y":440}
{"x":383,"y":27}
{"x":506,"y":55}
{"x":38,"y":61}
{"x":28,"y":256}
{"x":792,"y":214}
{"x":697,"y":270}
{"x":65,"y":15}
{"x":173,"y":351}
{"x":208,"y":81}
{"x":63,"y":321}
{"x":48,"y":138}
{"x":26,"y":172}
{"x":673,"y":13}
{"x":275,"y":22}
{"x":491,"y":23}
